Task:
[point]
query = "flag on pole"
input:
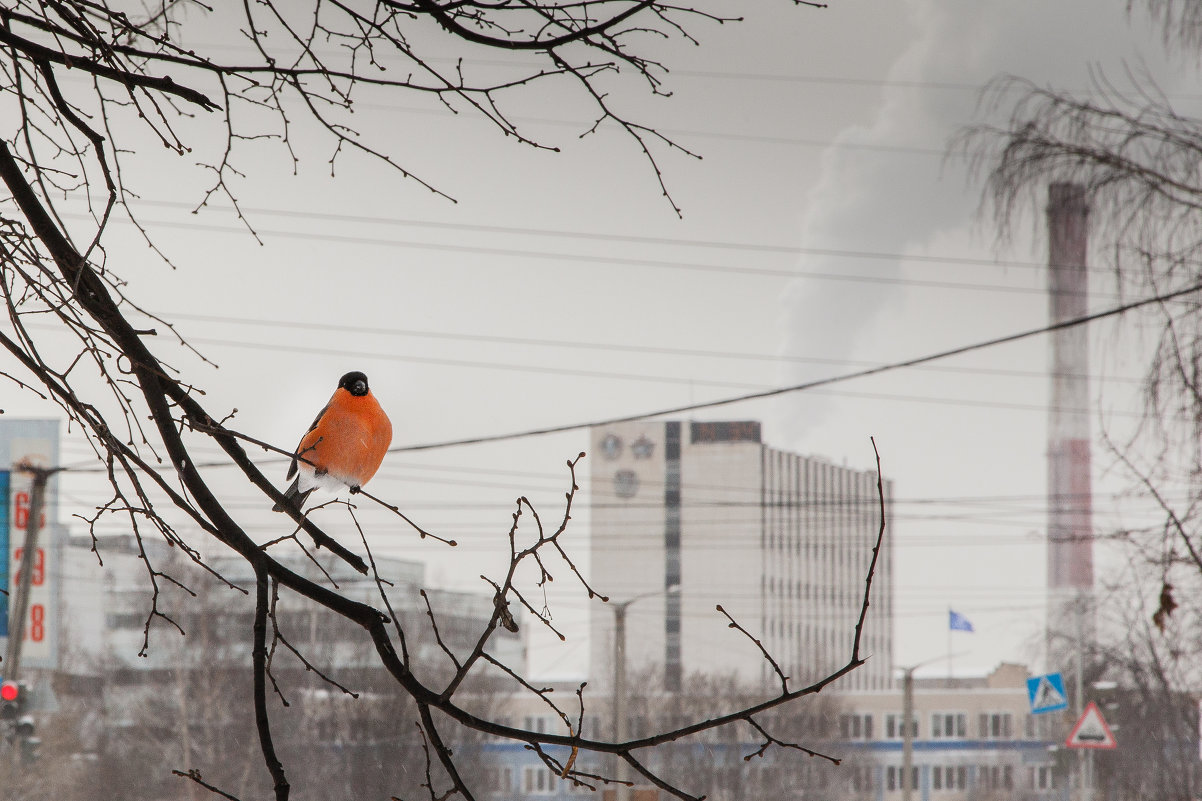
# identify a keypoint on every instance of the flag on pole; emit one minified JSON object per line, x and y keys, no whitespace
{"x":958,"y":622}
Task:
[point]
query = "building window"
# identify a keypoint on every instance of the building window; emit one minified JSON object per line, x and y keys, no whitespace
{"x":536,"y":780}
{"x":860,"y":779}
{"x":949,"y":777}
{"x":123,"y":620}
{"x":893,"y":727}
{"x":949,"y":724}
{"x":996,"y":777}
{"x":894,"y":774}
{"x":537,"y":723}
{"x":996,"y":726}
{"x":499,"y":780}
{"x":855,"y":727}
{"x":1041,"y":777}
{"x":576,"y":788}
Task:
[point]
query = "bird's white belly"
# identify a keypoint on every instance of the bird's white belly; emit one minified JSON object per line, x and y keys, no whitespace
{"x":309,"y":479}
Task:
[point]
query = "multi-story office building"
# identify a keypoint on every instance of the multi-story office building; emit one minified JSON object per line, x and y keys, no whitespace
{"x":687,"y":516}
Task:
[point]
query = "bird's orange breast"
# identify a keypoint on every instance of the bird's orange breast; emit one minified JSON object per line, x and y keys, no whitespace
{"x":350,"y":439}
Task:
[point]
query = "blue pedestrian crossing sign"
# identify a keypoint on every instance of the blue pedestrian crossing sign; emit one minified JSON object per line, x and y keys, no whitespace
{"x":1046,"y":693}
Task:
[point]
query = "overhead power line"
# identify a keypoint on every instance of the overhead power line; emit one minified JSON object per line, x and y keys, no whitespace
{"x":660,"y":378}
{"x":821,"y":382}
{"x":617,"y":347}
{"x":559,"y":259}
{"x":609,"y":237}
{"x":801,"y":387}
{"x":613,"y":376}
{"x":872,"y":82}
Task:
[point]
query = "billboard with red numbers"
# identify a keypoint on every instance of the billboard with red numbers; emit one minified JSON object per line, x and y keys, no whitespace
{"x":39,"y":647}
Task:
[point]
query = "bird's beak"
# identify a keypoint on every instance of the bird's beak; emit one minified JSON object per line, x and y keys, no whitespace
{"x":360,"y":387}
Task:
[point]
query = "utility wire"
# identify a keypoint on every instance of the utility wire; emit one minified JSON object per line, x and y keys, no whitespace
{"x":580,"y":259}
{"x":804,"y":386}
{"x":771,"y":77}
{"x":821,"y":382}
{"x":441,"y":361}
{"x":609,"y":237}
{"x":612,"y":376}
{"x":742,"y":356}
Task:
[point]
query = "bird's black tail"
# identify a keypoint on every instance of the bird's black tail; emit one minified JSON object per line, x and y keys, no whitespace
{"x":293,"y":494}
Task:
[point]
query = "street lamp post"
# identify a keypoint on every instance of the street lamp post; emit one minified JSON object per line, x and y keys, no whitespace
{"x":619,"y":688}
{"x":907,"y":730}
{"x":908,"y":725}
{"x":620,"y":694}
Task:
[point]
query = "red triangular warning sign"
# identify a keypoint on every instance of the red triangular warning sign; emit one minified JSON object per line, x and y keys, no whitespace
{"x":1091,"y":731}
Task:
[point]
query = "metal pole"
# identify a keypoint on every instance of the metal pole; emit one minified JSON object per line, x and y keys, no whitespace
{"x":1078,"y":694}
{"x":907,"y":721}
{"x":950,"y":661}
{"x":1089,"y":775}
{"x":1083,"y":757}
{"x":907,"y":731}
{"x":16,"y":630}
{"x":620,"y":696}
{"x":622,"y":792}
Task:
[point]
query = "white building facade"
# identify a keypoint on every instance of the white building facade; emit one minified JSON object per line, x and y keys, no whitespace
{"x":687,"y":516}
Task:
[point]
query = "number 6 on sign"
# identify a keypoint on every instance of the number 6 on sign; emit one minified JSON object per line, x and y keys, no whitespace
{"x":21,"y":512}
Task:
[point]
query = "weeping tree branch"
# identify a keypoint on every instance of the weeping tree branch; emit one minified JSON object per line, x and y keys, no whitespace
{"x":1139,"y":158}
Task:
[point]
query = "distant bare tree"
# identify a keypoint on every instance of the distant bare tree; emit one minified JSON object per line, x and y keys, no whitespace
{"x":739,"y":762}
{"x":84,"y":85}
{"x":1140,"y":161}
{"x":1181,"y":20}
{"x":1143,"y":680}
{"x":188,"y":709}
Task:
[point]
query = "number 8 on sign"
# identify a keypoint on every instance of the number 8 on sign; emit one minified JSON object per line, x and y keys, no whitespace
{"x":37,"y":623}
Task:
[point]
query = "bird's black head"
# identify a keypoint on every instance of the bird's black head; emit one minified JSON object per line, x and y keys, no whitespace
{"x":354,"y":383}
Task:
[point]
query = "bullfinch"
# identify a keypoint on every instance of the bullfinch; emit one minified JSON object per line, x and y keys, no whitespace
{"x":345,"y":445}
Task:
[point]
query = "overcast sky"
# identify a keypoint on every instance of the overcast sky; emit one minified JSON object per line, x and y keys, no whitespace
{"x":823,"y":230}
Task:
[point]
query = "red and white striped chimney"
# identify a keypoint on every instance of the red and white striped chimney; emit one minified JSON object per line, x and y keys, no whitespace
{"x":1070,"y":506}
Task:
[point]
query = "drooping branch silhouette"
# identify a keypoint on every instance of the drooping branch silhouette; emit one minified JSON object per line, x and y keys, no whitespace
{"x":1137,"y":152}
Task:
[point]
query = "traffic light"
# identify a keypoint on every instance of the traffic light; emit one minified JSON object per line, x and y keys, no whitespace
{"x":14,"y":699}
{"x":29,"y":744}
{"x":11,"y":701}
{"x":29,"y":748}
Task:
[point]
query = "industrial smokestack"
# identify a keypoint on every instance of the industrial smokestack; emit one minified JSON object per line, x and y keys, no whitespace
{"x":1070,"y":505}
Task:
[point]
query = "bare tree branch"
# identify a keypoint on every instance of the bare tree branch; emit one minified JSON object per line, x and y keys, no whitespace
{"x":307,"y":64}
